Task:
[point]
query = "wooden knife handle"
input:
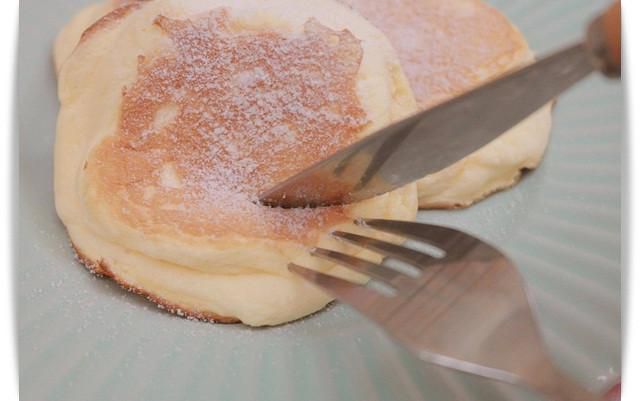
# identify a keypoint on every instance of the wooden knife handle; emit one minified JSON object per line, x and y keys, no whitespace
{"x":604,"y":41}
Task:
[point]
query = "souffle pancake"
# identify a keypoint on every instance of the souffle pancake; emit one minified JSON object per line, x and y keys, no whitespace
{"x":176,"y":114}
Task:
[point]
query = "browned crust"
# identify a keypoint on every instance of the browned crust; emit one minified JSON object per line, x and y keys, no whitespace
{"x":100,"y":268}
{"x":111,"y":18}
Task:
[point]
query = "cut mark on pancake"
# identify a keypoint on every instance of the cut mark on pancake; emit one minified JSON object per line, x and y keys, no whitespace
{"x":223,"y":116}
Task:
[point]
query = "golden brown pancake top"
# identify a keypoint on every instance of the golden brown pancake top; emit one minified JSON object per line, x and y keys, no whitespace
{"x":223,"y":115}
{"x":445,"y":47}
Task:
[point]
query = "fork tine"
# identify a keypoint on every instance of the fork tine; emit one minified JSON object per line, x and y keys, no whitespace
{"x":468,"y":311}
{"x":375,"y":271}
{"x":415,"y":258}
{"x":441,"y":237}
{"x":360,"y":297}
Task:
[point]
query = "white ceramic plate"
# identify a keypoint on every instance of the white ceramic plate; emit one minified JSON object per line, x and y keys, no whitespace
{"x":83,"y":338}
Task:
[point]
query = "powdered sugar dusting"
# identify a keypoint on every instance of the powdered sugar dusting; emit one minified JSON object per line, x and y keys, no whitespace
{"x":248,"y":109}
{"x":445,"y":47}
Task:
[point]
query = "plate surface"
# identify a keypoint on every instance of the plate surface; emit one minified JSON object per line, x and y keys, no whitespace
{"x":83,"y":338}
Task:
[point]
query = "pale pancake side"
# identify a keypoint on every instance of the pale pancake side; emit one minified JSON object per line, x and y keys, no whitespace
{"x":72,"y":32}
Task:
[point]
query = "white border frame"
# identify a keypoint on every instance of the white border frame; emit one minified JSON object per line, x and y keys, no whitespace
{"x":631,"y":171}
{"x":8,"y":170}
{"x":8,"y":52}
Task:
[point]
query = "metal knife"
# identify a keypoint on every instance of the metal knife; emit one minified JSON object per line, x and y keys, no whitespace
{"x":431,"y":140}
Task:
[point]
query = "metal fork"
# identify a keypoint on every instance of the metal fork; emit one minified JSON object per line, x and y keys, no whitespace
{"x":467,"y":309}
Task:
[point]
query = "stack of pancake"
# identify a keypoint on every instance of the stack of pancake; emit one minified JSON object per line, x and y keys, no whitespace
{"x":176,"y":114}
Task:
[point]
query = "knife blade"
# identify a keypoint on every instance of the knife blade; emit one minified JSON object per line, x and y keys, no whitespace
{"x":431,"y":140}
